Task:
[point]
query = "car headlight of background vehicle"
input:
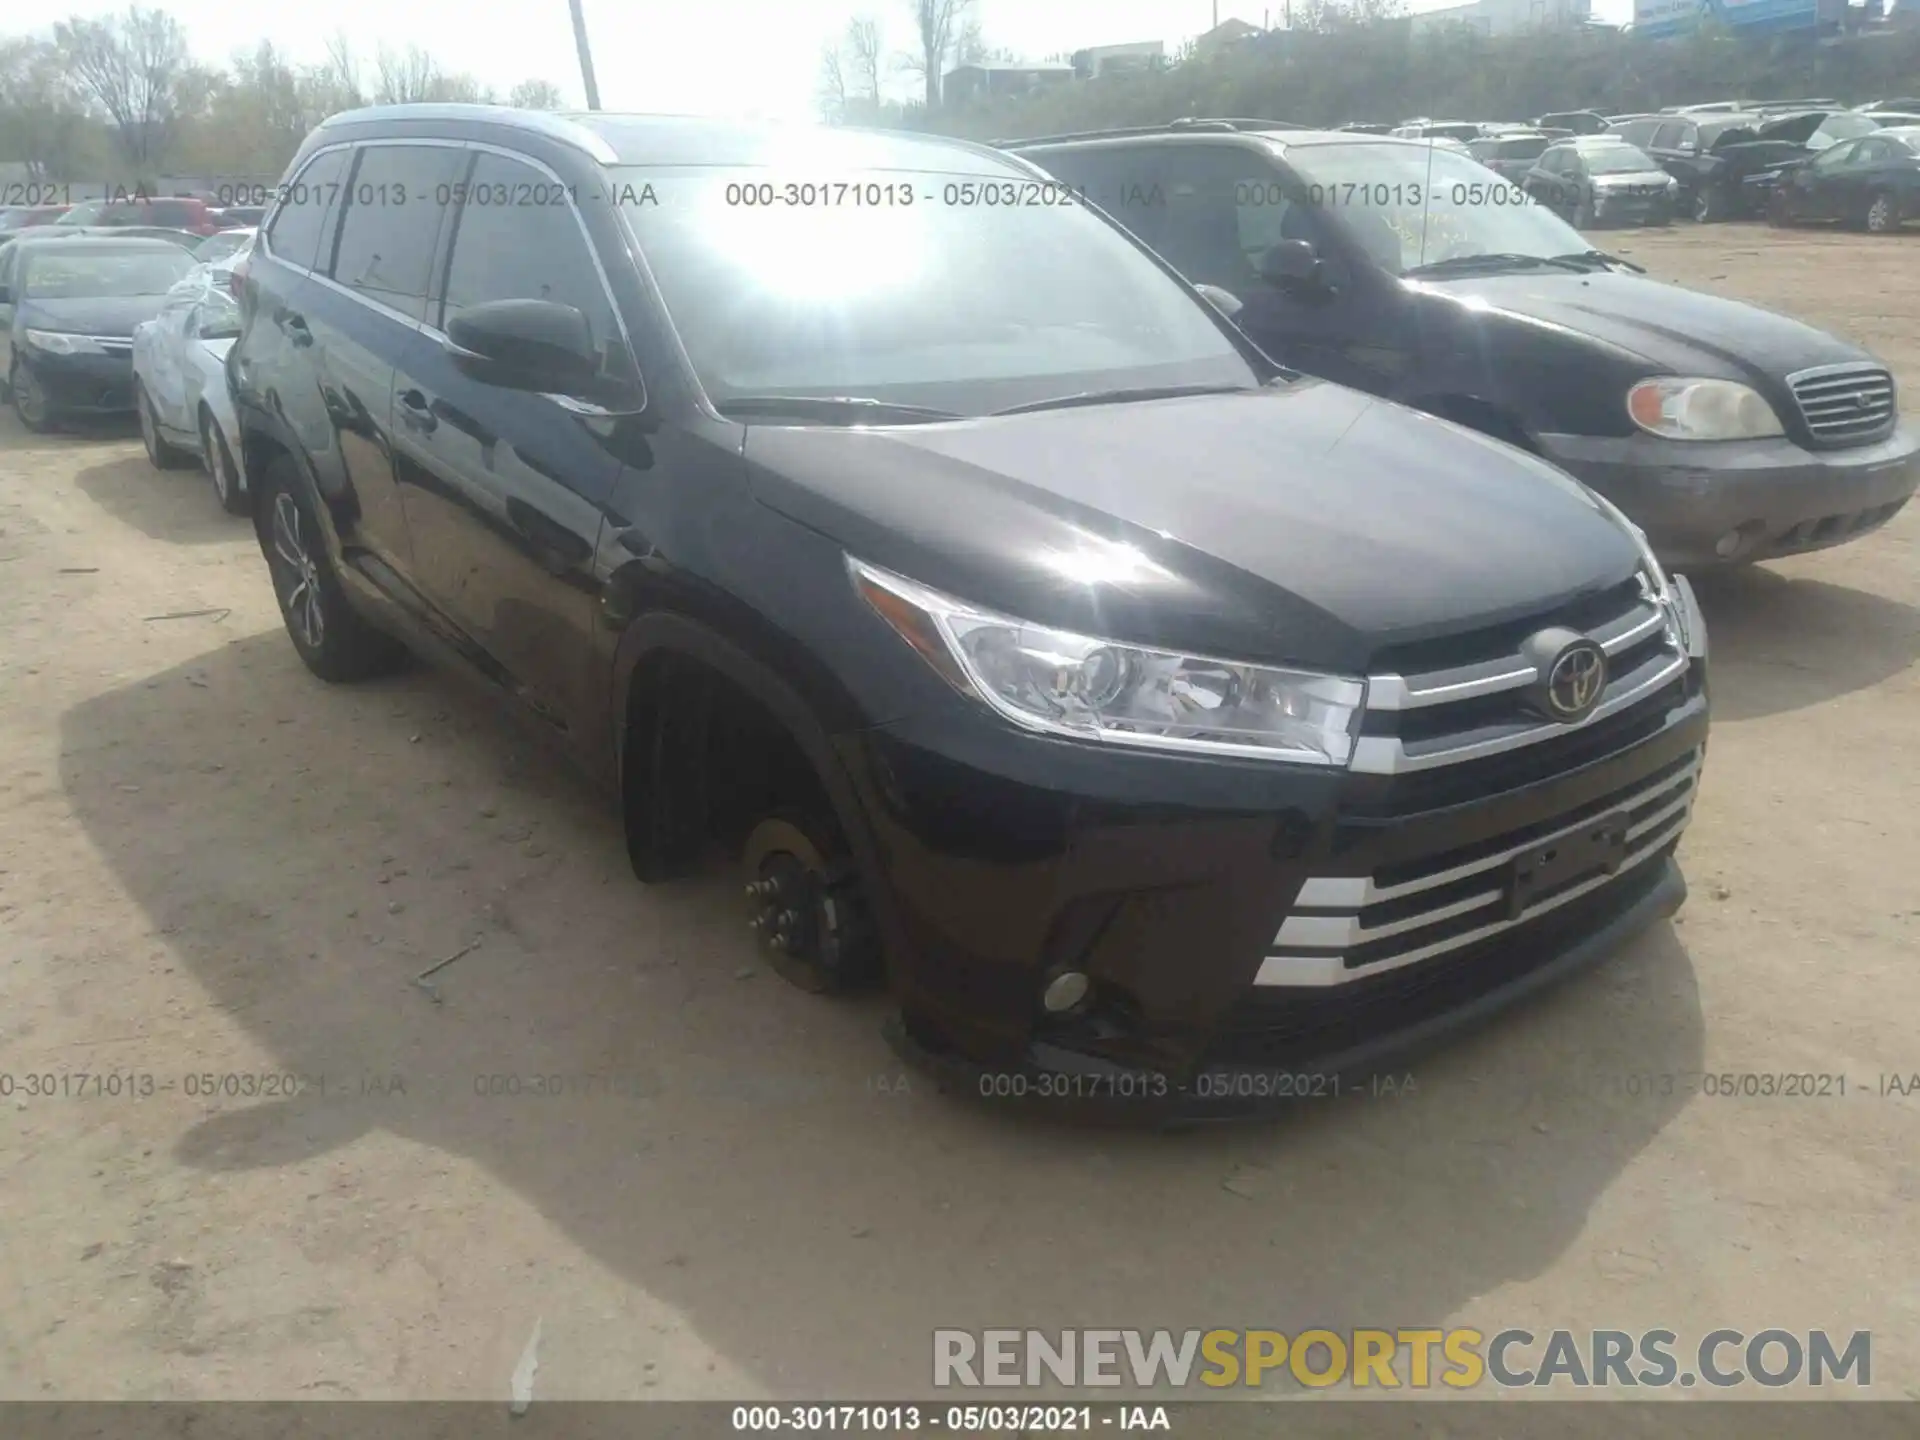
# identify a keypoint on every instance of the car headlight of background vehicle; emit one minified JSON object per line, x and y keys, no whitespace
{"x":58,"y":342}
{"x":1679,"y":407}
{"x":1061,"y":683}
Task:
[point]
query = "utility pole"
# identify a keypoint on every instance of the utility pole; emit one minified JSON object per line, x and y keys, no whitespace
{"x":586,"y":55}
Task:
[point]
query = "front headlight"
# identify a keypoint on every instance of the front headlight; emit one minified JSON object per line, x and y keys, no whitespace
{"x":1677,"y":407}
{"x":1061,"y":683}
{"x":58,"y":342}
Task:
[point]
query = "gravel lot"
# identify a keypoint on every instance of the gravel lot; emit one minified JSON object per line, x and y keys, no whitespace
{"x":212,"y":865}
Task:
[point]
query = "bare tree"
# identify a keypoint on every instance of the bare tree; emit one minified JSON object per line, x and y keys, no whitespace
{"x":405,"y":78}
{"x":937,"y":27}
{"x":131,"y":67}
{"x":43,"y":119}
{"x":865,"y":48}
{"x":535,"y":95}
{"x":337,"y":77}
{"x":832,"y":83}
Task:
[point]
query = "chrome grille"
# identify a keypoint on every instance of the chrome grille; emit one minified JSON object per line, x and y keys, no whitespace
{"x":1346,"y":928}
{"x":1467,"y":712}
{"x":1845,"y":402}
{"x":113,"y":345}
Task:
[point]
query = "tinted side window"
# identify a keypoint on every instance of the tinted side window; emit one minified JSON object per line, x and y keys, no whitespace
{"x":1225,"y":207}
{"x":1124,"y":182}
{"x":394,"y":205}
{"x":516,"y":238}
{"x":297,"y":225}
{"x":1668,"y":136}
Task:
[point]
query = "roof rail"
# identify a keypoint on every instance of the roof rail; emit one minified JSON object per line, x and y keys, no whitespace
{"x":1185,"y":124}
{"x":553,"y":125}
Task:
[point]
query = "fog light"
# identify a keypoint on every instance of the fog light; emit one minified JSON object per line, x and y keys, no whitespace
{"x":1064,"y":991}
{"x":1728,"y":545}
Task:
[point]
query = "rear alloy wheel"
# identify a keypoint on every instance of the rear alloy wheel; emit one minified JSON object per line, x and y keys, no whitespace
{"x":333,"y":641}
{"x":807,"y":908}
{"x":1706,"y":208}
{"x":219,"y":462}
{"x":29,"y":399}
{"x":1583,"y":216}
{"x":1883,"y":215}
{"x":161,"y":454}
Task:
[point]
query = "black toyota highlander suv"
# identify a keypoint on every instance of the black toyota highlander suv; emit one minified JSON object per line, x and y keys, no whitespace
{"x":1164,"y":727}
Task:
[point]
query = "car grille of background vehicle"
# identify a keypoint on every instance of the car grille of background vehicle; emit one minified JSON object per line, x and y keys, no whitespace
{"x":1850,"y":404}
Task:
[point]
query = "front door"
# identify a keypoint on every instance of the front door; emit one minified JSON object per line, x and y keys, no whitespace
{"x":502,"y":487}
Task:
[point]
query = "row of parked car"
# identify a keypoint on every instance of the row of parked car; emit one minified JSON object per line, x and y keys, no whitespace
{"x":1161,"y":634}
{"x":1791,"y":161}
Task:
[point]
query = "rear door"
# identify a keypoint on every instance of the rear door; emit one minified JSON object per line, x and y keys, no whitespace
{"x":1826,"y":182}
{"x":503,"y":488}
{"x":159,"y":357}
{"x":367,"y":299}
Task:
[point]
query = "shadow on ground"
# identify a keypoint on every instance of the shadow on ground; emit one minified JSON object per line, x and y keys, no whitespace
{"x":754,"y":1156}
{"x":1780,"y":643}
{"x":176,"y":506}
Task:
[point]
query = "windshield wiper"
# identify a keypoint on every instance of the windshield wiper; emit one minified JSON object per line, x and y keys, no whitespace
{"x":1498,"y":260}
{"x":1121,"y":397}
{"x":1600,"y":260}
{"x":834,"y":409}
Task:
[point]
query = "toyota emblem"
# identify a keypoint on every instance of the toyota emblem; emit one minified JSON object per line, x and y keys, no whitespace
{"x":1575,"y":681}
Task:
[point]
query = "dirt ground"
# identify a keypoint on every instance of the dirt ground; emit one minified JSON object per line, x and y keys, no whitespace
{"x":213,"y":866}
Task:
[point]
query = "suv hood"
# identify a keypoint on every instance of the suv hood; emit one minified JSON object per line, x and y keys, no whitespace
{"x":90,"y":315}
{"x":1304,"y":523}
{"x":1677,"y":331}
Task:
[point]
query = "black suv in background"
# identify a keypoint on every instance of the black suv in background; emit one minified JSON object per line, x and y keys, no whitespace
{"x":1167,"y":727}
{"x":1727,"y":432}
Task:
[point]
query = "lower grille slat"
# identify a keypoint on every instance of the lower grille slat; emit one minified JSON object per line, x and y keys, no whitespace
{"x":1347,"y":928}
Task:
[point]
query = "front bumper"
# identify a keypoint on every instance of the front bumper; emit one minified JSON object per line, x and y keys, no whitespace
{"x":1252,"y":933}
{"x":1633,"y":208}
{"x":1773,"y":496}
{"x":83,"y":384}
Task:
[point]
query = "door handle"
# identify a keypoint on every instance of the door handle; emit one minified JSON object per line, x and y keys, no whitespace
{"x":417,"y":412}
{"x":297,"y":331}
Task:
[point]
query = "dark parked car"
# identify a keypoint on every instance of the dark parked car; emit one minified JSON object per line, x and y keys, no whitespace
{"x":1574,"y":122}
{"x":1687,"y":148}
{"x":1734,"y":185}
{"x":68,"y":308}
{"x":1729,"y":433}
{"x":1600,"y":180}
{"x":1873,"y":183}
{"x":1509,"y":156}
{"x":1143,"y":712}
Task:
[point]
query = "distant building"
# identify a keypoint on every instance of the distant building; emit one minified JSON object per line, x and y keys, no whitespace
{"x":1507,"y":17}
{"x":1223,"y":36}
{"x":1113,"y":59}
{"x":969,"y":82}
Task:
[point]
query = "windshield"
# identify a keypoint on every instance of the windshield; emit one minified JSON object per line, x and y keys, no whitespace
{"x":1529,"y":148}
{"x":63,"y":274}
{"x":965,"y":292}
{"x":1836,"y":128}
{"x":1408,"y":205}
{"x":1617,"y":160}
{"x":84,"y":213}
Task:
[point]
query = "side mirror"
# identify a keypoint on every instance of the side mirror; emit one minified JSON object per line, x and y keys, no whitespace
{"x":1225,"y":301}
{"x":1292,"y":265}
{"x":533,"y":345}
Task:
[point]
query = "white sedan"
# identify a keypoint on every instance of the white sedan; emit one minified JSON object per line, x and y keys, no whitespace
{"x":180,"y":382}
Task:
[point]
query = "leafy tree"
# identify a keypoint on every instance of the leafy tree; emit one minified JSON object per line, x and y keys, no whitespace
{"x":535,"y":95}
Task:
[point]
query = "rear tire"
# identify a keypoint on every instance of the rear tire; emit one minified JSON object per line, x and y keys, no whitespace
{"x":161,"y":453}
{"x":1707,"y":209}
{"x":1883,"y":214}
{"x":218,"y":459}
{"x":330,"y":637}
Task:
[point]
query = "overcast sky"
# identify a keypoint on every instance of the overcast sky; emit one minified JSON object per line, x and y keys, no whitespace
{"x":736,"y":57}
